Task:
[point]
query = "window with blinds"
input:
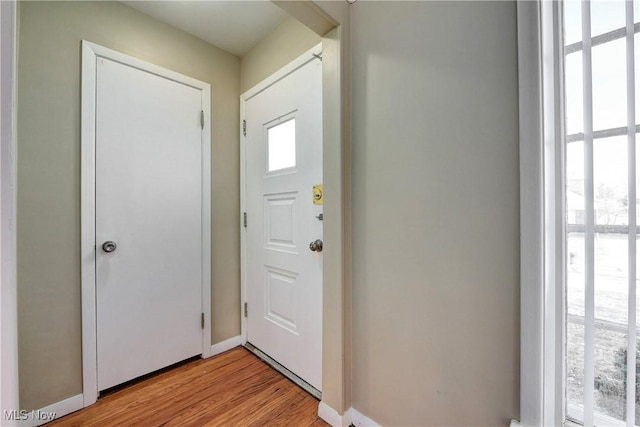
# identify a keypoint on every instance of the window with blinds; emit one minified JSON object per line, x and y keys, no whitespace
{"x":600,"y":72}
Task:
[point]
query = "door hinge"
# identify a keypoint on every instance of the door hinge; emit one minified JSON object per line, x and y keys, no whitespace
{"x":202,"y":320}
{"x":244,"y":219}
{"x":201,"y":119}
{"x":244,"y":128}
{"x":246,"y":309}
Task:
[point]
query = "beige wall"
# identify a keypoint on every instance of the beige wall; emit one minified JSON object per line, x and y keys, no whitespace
{"x":435,"y":212}
{"x":435,"y":197}
{"x":49,"y":177}
{"x":288,"y":41}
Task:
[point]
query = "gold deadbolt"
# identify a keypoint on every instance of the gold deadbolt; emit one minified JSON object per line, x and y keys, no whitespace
{"x":317,"y":194}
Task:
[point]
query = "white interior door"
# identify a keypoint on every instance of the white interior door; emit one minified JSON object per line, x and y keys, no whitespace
{"x":149,"y":203}
{"x":283,"y":154}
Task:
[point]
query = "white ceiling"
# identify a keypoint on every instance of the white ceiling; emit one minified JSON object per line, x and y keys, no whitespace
{"x":235,"y":26}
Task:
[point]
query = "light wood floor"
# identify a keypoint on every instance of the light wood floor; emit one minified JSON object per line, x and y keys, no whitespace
{"x":232,"y":389}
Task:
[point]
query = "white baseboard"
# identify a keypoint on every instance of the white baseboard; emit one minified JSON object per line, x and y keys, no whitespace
{"x":37,"y":417}
{"x":361,"y":420}
{"x":351,"y":416}
{"x":225,"y":345}
{"x":331,"y":416}
{"x":515,"y":423}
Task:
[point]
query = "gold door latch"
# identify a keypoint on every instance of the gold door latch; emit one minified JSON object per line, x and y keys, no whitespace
{"x":317,"y":194}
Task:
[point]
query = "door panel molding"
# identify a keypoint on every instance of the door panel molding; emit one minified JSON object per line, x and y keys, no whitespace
{"x":90,"y":54}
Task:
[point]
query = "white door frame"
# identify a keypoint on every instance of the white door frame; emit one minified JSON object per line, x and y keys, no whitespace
{"x":90,"y":54}
{"x":8,"y":283}
{"x":310,"y":55}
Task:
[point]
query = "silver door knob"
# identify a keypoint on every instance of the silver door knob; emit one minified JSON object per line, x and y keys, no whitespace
{"x":316,"y":246}
{"x":109,"y":246}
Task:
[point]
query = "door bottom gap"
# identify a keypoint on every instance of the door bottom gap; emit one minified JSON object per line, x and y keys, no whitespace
{"x":284,"y":371}
{"x":119,"y":387}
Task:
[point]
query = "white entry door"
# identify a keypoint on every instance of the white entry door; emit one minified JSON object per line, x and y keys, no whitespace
{"x":148,"y":220}
{"x":283,"y":152}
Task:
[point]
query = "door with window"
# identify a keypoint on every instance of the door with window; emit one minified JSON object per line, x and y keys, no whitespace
{"x":283,"y":239}
{"x":601,"y":50}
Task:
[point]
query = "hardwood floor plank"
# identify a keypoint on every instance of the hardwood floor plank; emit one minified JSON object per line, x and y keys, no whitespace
{"x":220,"y":401}
{"x":179,"y":391}
{"x":258,"y":407}
{"x":234,"y":388}
{"x":278,"y":409}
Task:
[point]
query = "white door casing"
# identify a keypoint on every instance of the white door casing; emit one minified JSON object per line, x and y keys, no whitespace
{"x":146,"y":172}
{"x":282,"y":276}
{"x":8,"y":281}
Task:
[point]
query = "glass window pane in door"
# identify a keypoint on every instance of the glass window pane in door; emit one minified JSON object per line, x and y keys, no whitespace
{"x":281,"y":146}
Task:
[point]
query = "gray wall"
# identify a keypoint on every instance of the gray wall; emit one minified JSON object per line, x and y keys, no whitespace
{"x":49,"y":177}
{"x":435,"y":212}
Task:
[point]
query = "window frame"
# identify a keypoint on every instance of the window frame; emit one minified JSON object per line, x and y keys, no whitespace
{"x":541,"y":208}
{"x":543,"y":141}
